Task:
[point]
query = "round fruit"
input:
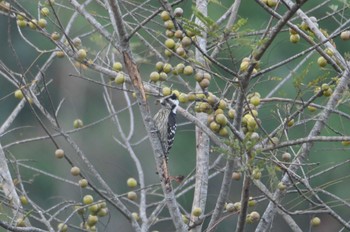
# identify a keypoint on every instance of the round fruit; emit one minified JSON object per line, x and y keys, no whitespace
{"x":88,"y":199}
{"x":75,"y":171}
{"x":204,"y":83}
{"x":178,"y":34}
{"x":181,"y":51}
{"x":255,"y":100}
{"x":154,"y":76}
{"x":132,"y":196}
{"x":185,"y":219}
{"x":169,"y":33}
{"x":135,"y":216}
{"x":281,"y":186}
{"x":62,"y":227}
{"x":19,"y":94}
{"x":60,"y":54}
{"x":119,"y":79}
{"x":21,"y":23}
{"x":165,"y":15}
{"x":176,"y":92}
{"x":292,"y":31}
{"x":183,"y":98}
{"x":169,"y":43}
{"x":304,"y":26}
{"x":237,"y":206}
{"x":166,"y":91}
{"x":163,"y":76}
{"x":231,"y":113}
{"x":271,"y":3}
{"x":20,"y":16}
{"x":236,"y":175}
{"x":290,"y":122}
{"x":42,"y":23}
{"x":256,"y":174}
{"x":81,"y":54}
{"x":93,"y":209}
{"x":221,"y":119}
{"x":159,"y":66}
{"x":92,"y":220}
{"x":169,"y":25}
{"x":188,"y":70}
{"x":321,"y":61}
{"x":59,"y":153}
{"x":244,"y":66}
{"x":186,"y":41}
{"x":327,"y":92}
{"x":214,"y":126}
{"x":167,"y":68}
{"x":197,"y":212}
{"x":255,"y":216}
{"x":32,"y":24}
{"x":345,"y":35}
{"x":44,"y":11}
{"x":199,"y":76}
{"x":311,"y":108}
{"x":83,"y":183}
{"x":117,"y":66}
{"x":168,"y":52}
{"x":286,"y":157}
{"x":329,"y":51}
{"x":178,"y":12}
{"x":251,"y":202}
{"x":180,"y":68}
{"x":316,"y":221}
{"x":345,"y":143}
{"x":131,"y":182}
{"x":23,"y":200}
{"x":294,"y":38}
{"x":78,"y":123}
{"x":223,"y":132}
{"x":102,"y":212}
{"x":230,"y":207}
{"x":55,"y":36}
{"x":222,"y":104}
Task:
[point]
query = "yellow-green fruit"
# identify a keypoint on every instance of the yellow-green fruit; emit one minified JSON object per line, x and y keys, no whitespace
{"x":20,"y":16}
{"x":185,"y":219}
{"x":132,"y":196}
{"x":192,"y":97}
{"x":325,"y":87}
{"x":20,"y":222}
{"x":231,"y":113}
{"x":251,"y":202}
{"x":271,"y":3}
{"x":181,"y":51}
{"x":207,"y":76}
{"x":290,"y":122}
{"x":204,"y":106}
{"x":188,"y":70}
{"x":55,"y":36}
{"x":159,"y":66}
{"x":329,"y":51}
{"x":223,"y":132}
{"x":131,"y":182}
{"x":212,"y":99}
{"x":60,"y":54}
{"x":316,"y":221}
{"x":255,"y":216}
{"x":292,"y":31}
{"x":221,"y":119}
{"x":199,"y":76}
{"x":23,"y":200}
{"x":42,"y":23}
{"x":197,"y":212}
{"x":286,"y":157}
{"x":183,"y":98}
{"x":135,"y":216}
{"x":102,"y":212}
{"x":222,"y":104}
{"x":256,"y":174}
{"x":294,"y":38}
{"x":237,"y":206}
{"x":21,"y":23}
{"x":62,"y":227}
{"x":180,"y":68}
{"x":236,"y":175}
{"x":88,"y":199}
{"x":304,"y":26}
{"x":281,"y":186}
{"x":311,"y":108}
{"x":165,"y":15}
{"x":186,"y":41}
{"x":166,"y":91}
{"x":169,"y":25}
{"x":119,"y":79}
{"x":176,"y":92}
{"x":244,"y":66}
{"x":178,"y":12}
{"x":44,"y":11}
{"x":81,"y":54}
{"x":169,"y":33}
{"x":230,"y":207}
{"x":154,"y":76}
{"x":78,"y":123}
{"x":327,"y":92}
{"x":117,"y":66}
{"x":59,"y":153}
{"x":255,"y":100}
{"x":75,"y":171}
{"x":178,"y":34}
{"x":83,"y":183}
{"x":204,"y":83}
{"x":92,"y":220}
{"x":93,"y":209}
{"x":19,"y":94}
{"x":345,"y":35}
{"x":79,"y":209}
{"x":321,"y":61}
{"x":167,"y":68}
{"x":214,"y":126}
{"x":163,"y":76}
{"x":169,"y":43}
{"x":32,"y":24}
{"x":345,"y":143}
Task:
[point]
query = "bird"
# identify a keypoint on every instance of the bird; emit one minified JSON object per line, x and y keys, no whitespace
{"x":165,"y":121}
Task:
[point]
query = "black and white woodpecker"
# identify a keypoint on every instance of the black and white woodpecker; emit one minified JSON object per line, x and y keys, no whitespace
{"x":165,"y":121}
